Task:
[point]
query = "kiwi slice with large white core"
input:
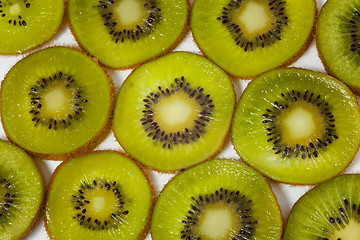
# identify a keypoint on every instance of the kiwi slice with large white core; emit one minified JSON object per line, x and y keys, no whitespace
{"x":56,"y":103}
{"x":331,"y":211}
{"x":297,"y":126}
{"x":337,"y":35}
{"x":217,"y":199}
{"x":25,"y":24}
{"x":21,"y":192}
{"x":249,"y":37}
{"x":174,"y":112}
{"x":125,"y":33}
{"x":103,"y":195}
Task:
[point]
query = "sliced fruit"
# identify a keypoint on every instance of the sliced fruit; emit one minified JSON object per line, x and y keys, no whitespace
{"x":21,"y":192}
{"x":103,"y":195}
{"x":56,"y":103}
{"x":218,"y":199}
{"x":25,"y":24}
{"x":297,"y":126}
{"x":125,"y":33}
{"x":327,"y":212}
{"x":249,"y":37}
{"x":338,"y":40}
{"x":174,"y":112}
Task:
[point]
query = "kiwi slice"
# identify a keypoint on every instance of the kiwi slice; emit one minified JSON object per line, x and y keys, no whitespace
{"x":21,"y":192}
{"x":218,"y":199}
{"x":178,"y":108}
{"x":331,"y":211}
{"x":25,"y":24}
{"x":297,"y":126}
{"x":338,"y":40}
{"x":125,"y":33}
{"x":249,"y":37}
{"x":56,"y":103}
{"x":103,"y":195}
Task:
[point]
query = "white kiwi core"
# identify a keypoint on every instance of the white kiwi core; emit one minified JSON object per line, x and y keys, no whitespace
{"x":56,"y":100}
{"x":351,"y":230}
{"x":130,"y":12}
{"x":14,"y":9}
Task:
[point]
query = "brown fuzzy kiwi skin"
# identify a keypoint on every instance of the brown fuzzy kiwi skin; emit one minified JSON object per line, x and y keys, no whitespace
{"x":343,"y":170}
{"x":235,"y":160}
{"x":226,"y":138}
{"x":92,"y":143}
{"x":142,"y":235}
{"x":181,"y":37}
{"x":34,"y":48}
{"x":293,"y":59}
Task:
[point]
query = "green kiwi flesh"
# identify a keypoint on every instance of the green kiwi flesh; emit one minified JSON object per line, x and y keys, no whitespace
{"x":297,"y":126}
{"x":174,"y":112}
{"x":103,"y":195}
{"x":328,"y":212}
{"x":124,"y":33}
{"x":249,"y":37}
{"x":25,"y":24}
{"x":21,"y":192}
{"x":338,"y":40}
{"x":217,"y":199}
{"x":56,"y":103}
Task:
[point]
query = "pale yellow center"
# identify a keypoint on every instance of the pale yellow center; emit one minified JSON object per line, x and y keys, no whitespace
{"x":350,"y":232}
{"x":130,"y":12}
{"x":176,"y":112}
{"x":102,"y":203}
{"x":218,"y":221}
{"x":14,"y":9}
{"x":254,"y":18}
{"x":56,"y":100}
{"x":301,"y":123}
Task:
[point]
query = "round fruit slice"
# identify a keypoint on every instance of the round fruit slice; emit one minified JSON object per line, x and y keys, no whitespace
{"x":297,"y":126}
{"x":174,"y":112}
{"x":125,"y":33}
{"x":25,"y":24}
{"x":249,"y":37}
{"x":103,"y":195}
{"x":329,"y":211}
{"x":218,"y":199}
{"x":338,"y":40}
{"x":56,"y":103}
{"x":21,"y":192}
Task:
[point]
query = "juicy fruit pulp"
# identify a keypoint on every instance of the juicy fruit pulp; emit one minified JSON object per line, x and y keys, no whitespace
{"x":329,"y":211}
{"x":21,"y":192}
{"x":249,"y":37}
{"x":207,"y":202}
{"x":179,"y":115}
{"x":338,"y":40}
{"x":103,"y":195}
{"x":124,"y":33}
{"x":294,"y":132}
{"x":25,"y":24}
{"x":55,"y":102}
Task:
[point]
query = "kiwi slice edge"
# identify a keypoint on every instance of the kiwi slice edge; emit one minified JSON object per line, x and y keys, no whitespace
{"x":98,"y":137}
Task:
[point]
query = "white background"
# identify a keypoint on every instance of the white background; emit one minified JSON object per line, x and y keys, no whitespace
{"x":287,"y":195}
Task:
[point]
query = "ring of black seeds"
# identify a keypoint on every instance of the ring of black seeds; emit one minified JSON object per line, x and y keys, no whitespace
{"x":340,"y":219}
{"x":277,"y":7}
{"x":353,"y":29}
{"x":36,"y":103}
{"x":243,"y":208}
{"x":120,"y":34}
{"x":310,"y":150}
{"x":168,"y":139}
{"x":7,"y":199}
{"x":19,"y":20}
{"x":80,"y":203}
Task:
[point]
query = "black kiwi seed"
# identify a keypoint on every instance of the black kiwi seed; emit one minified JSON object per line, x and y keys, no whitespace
{"x":7,"y":199}
{"x":41,"y":87}
{"x":80,"y":203}
{"x":277,"y":7}
{"x":168,"y":139}
{"x":19,"y":21}
{"x":353,"y":26}
{"x":121,"y":34}
{"x":231,"y":198}
{"x":310,"y":150}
